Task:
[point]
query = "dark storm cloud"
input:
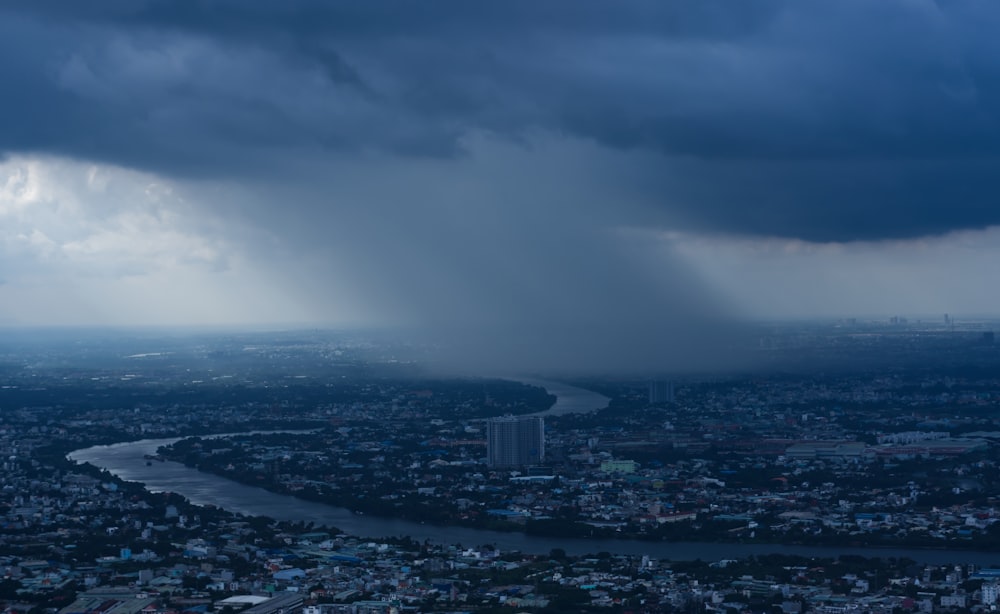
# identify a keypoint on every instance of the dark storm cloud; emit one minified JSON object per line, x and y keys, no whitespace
{"x":815,"y":119}
{"x":478,"y":170}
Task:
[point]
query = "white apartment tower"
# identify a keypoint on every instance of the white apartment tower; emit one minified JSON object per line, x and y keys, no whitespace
{"x":515,"y":441}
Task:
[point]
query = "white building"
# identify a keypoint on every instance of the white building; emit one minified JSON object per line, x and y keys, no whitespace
{"x":515,"y":441}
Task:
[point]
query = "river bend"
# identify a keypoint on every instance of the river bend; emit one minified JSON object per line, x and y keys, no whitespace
{"x":126,"y":461}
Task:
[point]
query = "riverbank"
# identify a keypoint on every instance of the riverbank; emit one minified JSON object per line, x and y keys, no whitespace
{"x":126,"y":461}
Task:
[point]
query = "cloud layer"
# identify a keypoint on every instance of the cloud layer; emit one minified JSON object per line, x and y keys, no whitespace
{"x":807,"y":119}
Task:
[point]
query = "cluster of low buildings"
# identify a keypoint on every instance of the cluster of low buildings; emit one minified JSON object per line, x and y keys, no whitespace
{"x":749,"y":477}
{"x":861,"y":460}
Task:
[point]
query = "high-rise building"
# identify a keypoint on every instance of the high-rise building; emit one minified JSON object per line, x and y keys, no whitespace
{"x":991,"y":593}
{"x":515,"y":441}
{"x":661,"y":391}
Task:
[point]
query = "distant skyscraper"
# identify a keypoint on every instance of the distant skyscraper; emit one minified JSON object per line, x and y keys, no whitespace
{"x":661,"y":391}
{"x":513,"y":441}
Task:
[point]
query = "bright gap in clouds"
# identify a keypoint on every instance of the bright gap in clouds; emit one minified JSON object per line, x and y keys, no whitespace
{"x":786,"y":278}
{"x":85,"y":244}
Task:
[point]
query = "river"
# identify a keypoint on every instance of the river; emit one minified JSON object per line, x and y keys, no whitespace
{"x":126,"y":461}
{"x":569,"y":399}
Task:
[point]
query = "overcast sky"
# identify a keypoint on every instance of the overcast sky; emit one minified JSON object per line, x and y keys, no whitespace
{"x":619,"y":179}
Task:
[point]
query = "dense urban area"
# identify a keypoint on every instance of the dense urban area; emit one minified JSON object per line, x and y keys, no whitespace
{"x":843,"y":437}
